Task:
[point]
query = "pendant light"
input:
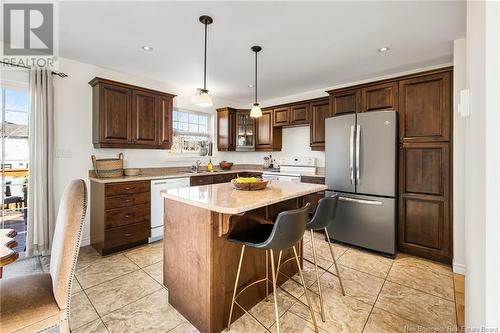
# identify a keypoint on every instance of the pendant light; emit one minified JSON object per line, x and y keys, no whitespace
{"x":202,"y":98}
{"x":256,"y":112}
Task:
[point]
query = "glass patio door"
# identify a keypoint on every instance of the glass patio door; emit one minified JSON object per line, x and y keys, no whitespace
{"x":14,"y":161}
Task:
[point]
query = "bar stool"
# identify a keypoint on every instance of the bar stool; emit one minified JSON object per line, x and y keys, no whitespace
{"x":287,"y":231}
{"x":322,"y":218}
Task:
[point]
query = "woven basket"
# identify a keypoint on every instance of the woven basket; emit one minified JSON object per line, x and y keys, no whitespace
{"x":108,"y":167}
{"x":249,"y":186}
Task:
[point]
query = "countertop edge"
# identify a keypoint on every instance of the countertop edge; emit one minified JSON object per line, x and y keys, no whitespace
{"x":171,"y":176}
{"x":234,"y":211}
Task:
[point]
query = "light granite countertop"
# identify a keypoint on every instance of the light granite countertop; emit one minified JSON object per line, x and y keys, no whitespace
{"x":167,"y":175}
{"x":223,"y":198}
{"x":180,"y":172}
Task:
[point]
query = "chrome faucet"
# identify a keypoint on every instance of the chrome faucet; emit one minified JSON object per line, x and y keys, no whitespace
{"x":196,"y":166}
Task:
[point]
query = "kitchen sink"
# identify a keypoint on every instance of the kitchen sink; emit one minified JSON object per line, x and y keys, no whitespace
{"x":199,"y":172}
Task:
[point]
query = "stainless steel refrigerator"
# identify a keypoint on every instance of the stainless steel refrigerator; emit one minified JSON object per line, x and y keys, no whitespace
{"x":360,"y":158}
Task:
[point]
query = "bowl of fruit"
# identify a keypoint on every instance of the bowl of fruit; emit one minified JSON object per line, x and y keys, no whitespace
{"x":249,"y":183}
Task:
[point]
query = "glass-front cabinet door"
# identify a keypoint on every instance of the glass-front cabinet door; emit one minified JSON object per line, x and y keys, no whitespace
{"x":245,"y":131}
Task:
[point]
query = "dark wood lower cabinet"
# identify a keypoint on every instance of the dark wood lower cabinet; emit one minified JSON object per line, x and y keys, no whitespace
{"x":313,"y":198}
{"x":223,"y":178}
{"x":217,"y":178}
{"x":425,"y":227}
{"x":201,"y":180}
{"x":249,"y":174}
{"x":119,"y":215}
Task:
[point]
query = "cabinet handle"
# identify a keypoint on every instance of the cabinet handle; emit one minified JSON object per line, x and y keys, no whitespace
{"x":128,"y":200}
{"x":127,"y":216}
{"x":128,"y":235}
{"x":129,"y":188}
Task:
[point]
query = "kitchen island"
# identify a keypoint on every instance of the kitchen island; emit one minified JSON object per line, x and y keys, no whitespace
{"x":200,"y":264}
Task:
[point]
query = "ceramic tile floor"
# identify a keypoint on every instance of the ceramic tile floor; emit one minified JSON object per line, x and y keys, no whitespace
{"x":123,"y":292}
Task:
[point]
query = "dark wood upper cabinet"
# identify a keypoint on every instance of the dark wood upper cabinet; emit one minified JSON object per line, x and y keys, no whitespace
{"x":320,"y":110}
{"x":281,"y":116}
{"x":111,"y":114}
{"x":345,"y":101}
{"x":165,"y":114}
{"x":267,"y":137}
{"x":245,"y":131}
{"x":145,"y":121}
{"x":425,"y":104}
{"x":380,"y":97}
{"x":126,"y":116}
{"x":226,"y":129}
{"x":299,"y":114}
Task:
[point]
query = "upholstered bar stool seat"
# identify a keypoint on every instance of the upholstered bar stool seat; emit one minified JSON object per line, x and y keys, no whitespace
{"x":28,"y":304}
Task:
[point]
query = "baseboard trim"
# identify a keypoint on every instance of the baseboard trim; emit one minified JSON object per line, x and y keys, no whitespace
{"x":85,"y":241}
{"x":459,"y":268}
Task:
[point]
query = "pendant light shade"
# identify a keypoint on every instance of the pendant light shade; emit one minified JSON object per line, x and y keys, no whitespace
{"x":201,"y":97}
{"x":256,"y":112}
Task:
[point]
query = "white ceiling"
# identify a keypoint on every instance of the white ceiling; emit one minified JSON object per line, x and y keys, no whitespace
{"x":306,"y":45}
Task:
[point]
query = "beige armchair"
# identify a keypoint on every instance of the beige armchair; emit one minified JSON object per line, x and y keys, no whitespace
{"x":37,"y":302}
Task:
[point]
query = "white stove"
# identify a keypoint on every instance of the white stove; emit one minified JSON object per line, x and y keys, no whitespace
{"x":291,"y":169}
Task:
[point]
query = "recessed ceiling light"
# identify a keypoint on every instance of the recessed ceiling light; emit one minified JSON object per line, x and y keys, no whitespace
{"x":147,"y":48}
{"x":250,"y":85}
{"x":383,"y":49}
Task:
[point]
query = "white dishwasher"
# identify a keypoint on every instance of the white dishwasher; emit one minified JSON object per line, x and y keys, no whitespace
{"x":157,"y":206}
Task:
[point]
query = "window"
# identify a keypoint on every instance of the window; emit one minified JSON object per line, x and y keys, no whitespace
{"x":191,"y":131}
{"x":14,"y":161}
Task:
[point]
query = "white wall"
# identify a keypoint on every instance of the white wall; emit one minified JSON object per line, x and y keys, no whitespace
{"x":482,"y":168}
{"x":459,"y":73}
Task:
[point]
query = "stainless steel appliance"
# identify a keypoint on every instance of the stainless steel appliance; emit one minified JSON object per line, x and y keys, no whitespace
{"x":291,"y":169}
{"x":157,"y":204}
{"x":360,"y":157}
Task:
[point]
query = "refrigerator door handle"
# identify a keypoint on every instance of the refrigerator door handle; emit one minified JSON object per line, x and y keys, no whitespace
{"x":358,"y":142}
{"x":351,"y":153}
{"x":361,"y":201}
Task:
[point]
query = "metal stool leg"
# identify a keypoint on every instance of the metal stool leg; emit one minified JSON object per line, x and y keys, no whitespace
{"x":267,"y":276}
{"x":305,"y":290}
{"x":275,"y":277}
{"x":317,"y":276}
{"x":334,"y":262}
{"x":235,"y":287}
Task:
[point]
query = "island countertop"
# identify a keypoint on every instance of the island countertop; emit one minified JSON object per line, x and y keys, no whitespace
{"x":223,"y":198}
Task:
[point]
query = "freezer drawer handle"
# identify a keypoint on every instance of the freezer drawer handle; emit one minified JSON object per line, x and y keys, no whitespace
{"x":351,"y":154}
{"x":365,"y":202}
